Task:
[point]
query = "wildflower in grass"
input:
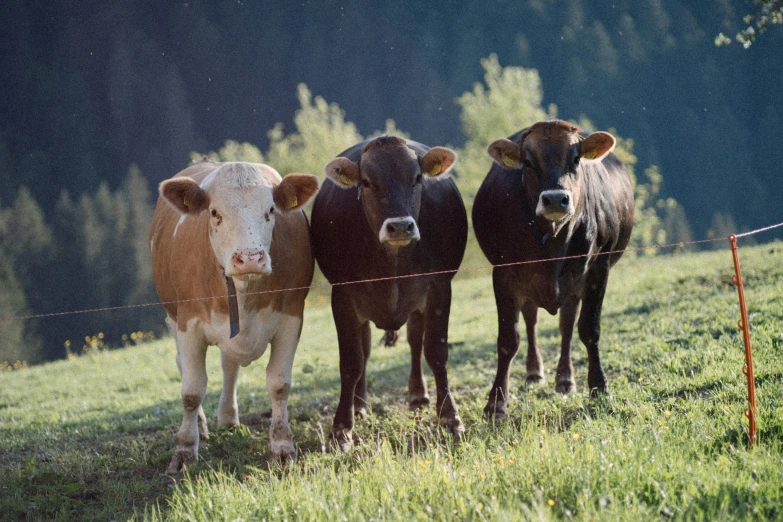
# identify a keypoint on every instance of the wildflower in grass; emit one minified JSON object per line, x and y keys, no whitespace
{"x":550,"y":502}
{"x":543,"y":432}
{"x":667,"y":413}
{"x":575,"y":436}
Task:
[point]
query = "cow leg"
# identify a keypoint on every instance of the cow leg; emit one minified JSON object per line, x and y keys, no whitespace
{"x":564,"y":379}
{"x":191,"y":359}
{"x":349,"y":339}
{"x":203,"y":429}
{"x":534,"y":364}
{"x":360,"y":403}
{"x":417,"y":387}
{"x":507,"y":345}
{"x":278,"y":384}
{"x":436,"y":353}
{"x":590,"y":324}
{"x":228,"y":412}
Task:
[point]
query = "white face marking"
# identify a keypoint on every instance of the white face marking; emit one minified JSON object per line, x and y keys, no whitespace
{"x":403,"y":221}
{"x":241,"y":219}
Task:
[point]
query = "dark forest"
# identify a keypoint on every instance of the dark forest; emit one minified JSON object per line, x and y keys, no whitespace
{"x":100,"y":101}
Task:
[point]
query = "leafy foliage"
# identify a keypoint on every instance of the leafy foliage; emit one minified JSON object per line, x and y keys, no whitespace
{"x":765,"y":13}
{"x":510,"y":99}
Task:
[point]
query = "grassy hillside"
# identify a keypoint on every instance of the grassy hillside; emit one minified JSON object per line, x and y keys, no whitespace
{"x":90,"y":438}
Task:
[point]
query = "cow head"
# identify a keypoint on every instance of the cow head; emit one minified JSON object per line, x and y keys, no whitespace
{"x":551,"y":155}
{"x":243,"y":200}
{"x":390,"y":176}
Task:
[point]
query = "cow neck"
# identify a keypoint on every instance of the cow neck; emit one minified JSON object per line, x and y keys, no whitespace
{"x":394,"y":259}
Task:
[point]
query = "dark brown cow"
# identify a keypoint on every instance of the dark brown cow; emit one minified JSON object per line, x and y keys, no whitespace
{"x":237,"y":222}
{"x":390,"y":212}
{"x":554,"y":191}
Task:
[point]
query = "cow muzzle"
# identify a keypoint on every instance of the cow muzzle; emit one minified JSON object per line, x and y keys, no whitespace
{"x":249,"y":264}
{"x":399,"y":231}
{"x":555,"y":204}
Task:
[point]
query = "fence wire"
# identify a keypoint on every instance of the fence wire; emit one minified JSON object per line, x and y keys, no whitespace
{"x":680,"y":244}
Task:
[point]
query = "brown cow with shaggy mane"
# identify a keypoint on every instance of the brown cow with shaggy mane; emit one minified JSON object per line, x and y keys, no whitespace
{"x":554,"y":191}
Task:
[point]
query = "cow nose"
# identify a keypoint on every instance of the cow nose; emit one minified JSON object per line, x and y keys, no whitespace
{"x":554,"y":204}
{"x":249,"y":261}
{"x":560,"y":200}
{"x":399,"y":231}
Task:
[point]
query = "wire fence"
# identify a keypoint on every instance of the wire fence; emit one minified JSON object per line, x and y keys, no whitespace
{"x":680,"y":244}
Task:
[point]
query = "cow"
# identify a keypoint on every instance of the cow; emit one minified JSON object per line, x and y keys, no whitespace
{"x":232,"y":228}
{"x":390,"y":212}
{"x":554,"y":191}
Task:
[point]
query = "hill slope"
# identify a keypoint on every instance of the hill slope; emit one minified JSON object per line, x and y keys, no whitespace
{"x":89,"y":438}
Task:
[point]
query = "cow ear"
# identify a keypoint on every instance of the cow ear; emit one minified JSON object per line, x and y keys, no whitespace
{"x":505,"y":153}
{"x":184,"y":195}
{"x":596,"y":146}
{"x":437,"y":161}
{"x":343,"y":171}
{"x":294,"y":191}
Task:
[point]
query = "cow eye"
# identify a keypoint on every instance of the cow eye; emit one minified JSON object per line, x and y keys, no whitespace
{"x":527,"y":164}
{"x":365,"y":183}
{"x":272,"y":210}
{"x":214,"y":213}
{"x":418,"y":179}
{"x":576,"y":161}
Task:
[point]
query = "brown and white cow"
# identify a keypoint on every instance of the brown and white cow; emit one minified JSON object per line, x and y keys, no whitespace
{"x":389,"y":212}
{"x":554,"y":191}
{"x":218,"y":225}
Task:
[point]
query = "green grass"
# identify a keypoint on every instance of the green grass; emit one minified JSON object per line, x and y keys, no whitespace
{"x":90,"y":438}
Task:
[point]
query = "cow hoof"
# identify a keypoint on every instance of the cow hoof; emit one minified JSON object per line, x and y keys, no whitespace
{"x":181,"y":459}
{"x":495,"y":411}
{"x":533,"y":379}
{"x":342,"y":447}
{"x":565,"y":386}
{"x":416,"y":403}
{"x":229,"y":427}
{"x":455,"y":428}
{"x":284,"y":452}
{"x":360,"y":411}
{"x":599,"y":391}
{"x":342,"y":440}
